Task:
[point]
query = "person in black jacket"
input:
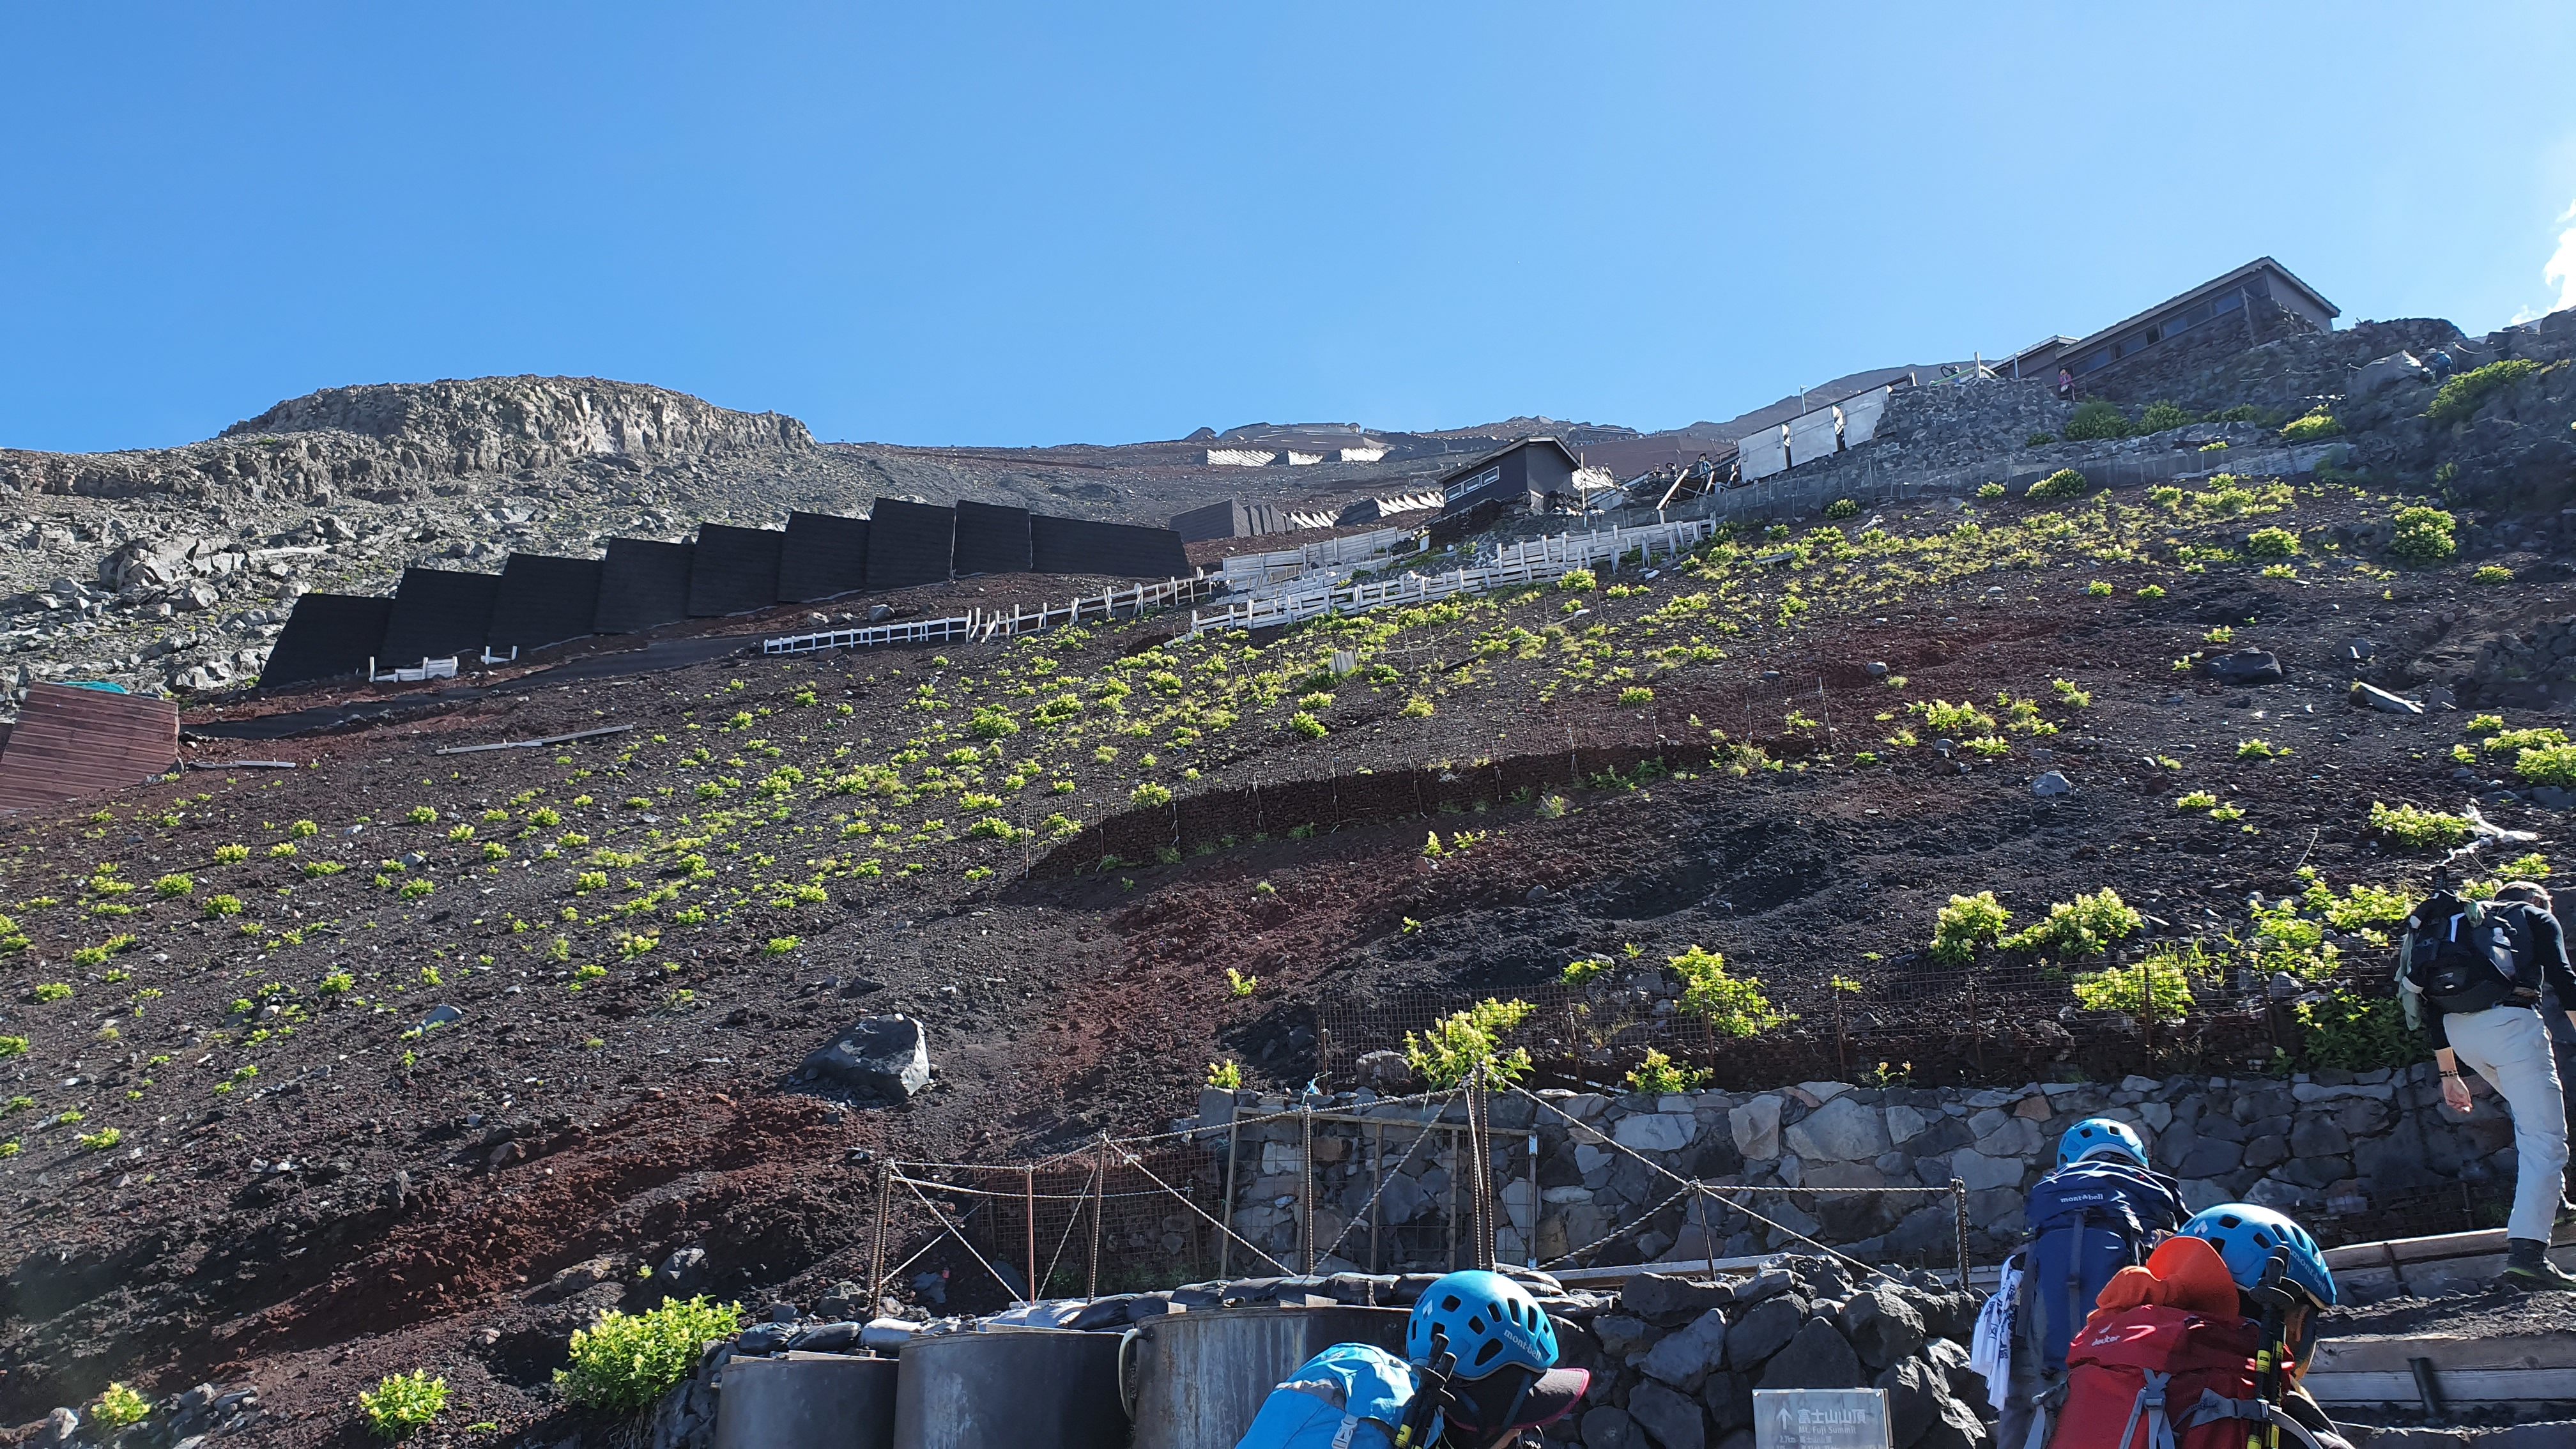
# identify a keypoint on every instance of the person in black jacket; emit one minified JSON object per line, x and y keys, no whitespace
{"x":2509,"y":1045}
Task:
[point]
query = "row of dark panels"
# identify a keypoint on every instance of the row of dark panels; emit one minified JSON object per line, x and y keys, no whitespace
{"x":641,"y":584}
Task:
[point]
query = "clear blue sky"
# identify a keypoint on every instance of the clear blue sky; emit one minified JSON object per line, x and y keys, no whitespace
{"x":1042,"y":222}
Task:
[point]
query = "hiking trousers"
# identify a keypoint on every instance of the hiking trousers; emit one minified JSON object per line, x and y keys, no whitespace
{"x":2509,"y":1046}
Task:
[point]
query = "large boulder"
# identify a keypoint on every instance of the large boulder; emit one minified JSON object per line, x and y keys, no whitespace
{"x":884,"y":1057}
{"x":1670,"y":1419}
{"x":1882,"y":1327}
{"x":1683,"y":1359}
{"x":1817,"y":1356}
{"x":1763,"y":1330}
{"x":1667,"y":1301}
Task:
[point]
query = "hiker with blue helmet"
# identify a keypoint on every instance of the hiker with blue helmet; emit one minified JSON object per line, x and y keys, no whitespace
{"x":2247,"y":1236}
{"x":2100,"y":1210}
{"x":1478,"y":1372}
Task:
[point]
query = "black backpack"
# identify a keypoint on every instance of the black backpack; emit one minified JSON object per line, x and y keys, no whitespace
{"x":2466,"y":955}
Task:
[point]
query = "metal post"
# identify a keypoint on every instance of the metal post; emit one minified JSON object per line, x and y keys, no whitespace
{"x":1530,"y":1247}
{"x":1377,"y":1193}
{"x":1959,"y":1195}
{"x":876,"y":1250}
{"x":1099,"y":1200}
{"x":1225,"y":1210}
{"x":1707,"y":1234}
{"x":1029,"y":1187}
{"x":1458,"y":1169}
{"x":1306,"y":1192}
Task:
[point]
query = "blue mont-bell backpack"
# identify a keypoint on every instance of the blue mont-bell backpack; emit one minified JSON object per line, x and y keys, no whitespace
{"x":2086,"y":1221}
{"x":1350,"y":1396}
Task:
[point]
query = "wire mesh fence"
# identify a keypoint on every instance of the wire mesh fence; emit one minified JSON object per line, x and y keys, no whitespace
{"x":1933,"y":1024}
{"x":1103,"y":1221}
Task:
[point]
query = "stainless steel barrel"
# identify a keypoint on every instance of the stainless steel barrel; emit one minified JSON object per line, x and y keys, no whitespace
{"x":1037,"y":1389}
{"x":1197,"y":1379}
{"x":807,"y":1401}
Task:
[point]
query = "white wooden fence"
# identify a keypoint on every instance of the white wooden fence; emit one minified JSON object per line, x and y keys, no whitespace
{"x":1537,"y":560}
{"x":1246,"y":571}
{"x":981,"y":624}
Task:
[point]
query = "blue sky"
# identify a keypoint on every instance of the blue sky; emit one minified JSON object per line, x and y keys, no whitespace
{"x":1011,"y":224}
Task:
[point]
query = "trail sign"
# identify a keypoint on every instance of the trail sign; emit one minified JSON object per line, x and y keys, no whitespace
{"x":1820,"y":1419}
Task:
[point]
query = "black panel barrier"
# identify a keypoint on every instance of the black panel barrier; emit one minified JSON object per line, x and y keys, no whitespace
{"x":991,"y":539}
{"x":438,"y":613}
{"x":909,"y":543}
{"x":1123,"y":550}
{"x":545,"y":600}
{"x":736,"y":570}
{"x":327,"y":636}
{"x":643,"y":584}
{"x":1217,"y":520}
{"x":825,"y":556}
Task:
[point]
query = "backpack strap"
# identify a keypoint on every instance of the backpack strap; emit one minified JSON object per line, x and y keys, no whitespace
{"x":2215,"y":1407}
{"x":1350,"y":1426}
{"x":2151,"y":1407}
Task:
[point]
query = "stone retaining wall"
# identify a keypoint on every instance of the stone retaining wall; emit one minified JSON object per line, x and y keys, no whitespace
{"x":2333,"y":1145}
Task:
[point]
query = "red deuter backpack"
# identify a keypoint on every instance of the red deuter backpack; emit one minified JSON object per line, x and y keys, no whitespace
{"x":2154,"y":1377}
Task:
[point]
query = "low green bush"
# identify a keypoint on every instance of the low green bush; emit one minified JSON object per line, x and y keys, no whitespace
{"x":1461,"y":1042}
{"x":2161,"y":416}
{"x":2461,"y":397}
{"x":2410,"y":826}
{"x":624,"y":1362}
{"x":2425,"y":535}
{"x":2155,"y":989}
{"x":1841,"y":508}
{"x":2081,"y":928}
{"x":2318,"y":423}
{"x":2271,"y":543}
{"x":2095,"y":421}
{"x":1967,"y":923}
{"x":1733,"y":1006}
{"x":2064,"y":483}
{"x":401,"y":1405}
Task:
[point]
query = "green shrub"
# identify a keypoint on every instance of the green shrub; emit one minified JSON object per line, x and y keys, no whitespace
{"x":118,"y":1407}
{"x":1225,"y":1076}
{"x":2419,"y":828}
{"x":1149,"y":795}
{"x":1967,"y":923}
{"x":2160,"y":416}
{"x":2425,"y":535}
{"x":174,"y":885}
{"x":2355,"y":1033}
{"x":2492,"y":574}
{"x":1304,"y":723}
{"x":2549,"y":765}
{"x":2317,"y":423}
{"x":2064,"y":483}
{"x":1963,"y":718}
{"x":2484,"y":724}
{"x":2081,"y":928}
{"x":1577,"y":581}
{"x":2363,"y":905}
{"x":1463,"y":1041}
{"x":2461,"y":397}
{"x":1732,"y":1006}
{"x":2271,"y":543}
{"x":1841,"y":508}
{"x":53,"y":991}
{"x":1990,"y":491}
{"x":1577,"y":973}
{"x":223,"y":905}
{"x":2156,"y":989}
{"x":12,"y":1046}
{"x":2096,"y":420}
{"x":1657,"y":1076}
{"x":2035,"y":440}
{"x":624,"y":1362}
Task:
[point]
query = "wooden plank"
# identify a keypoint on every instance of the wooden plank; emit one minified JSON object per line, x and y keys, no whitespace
{"x":2393,"y":1353}
{"x":2473,"y":1386}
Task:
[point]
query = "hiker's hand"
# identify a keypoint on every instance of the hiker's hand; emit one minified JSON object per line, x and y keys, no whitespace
{"x":2455,"y":1095}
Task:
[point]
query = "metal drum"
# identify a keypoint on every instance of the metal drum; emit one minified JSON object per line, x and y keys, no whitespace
{"x":807,"y":1401}
{"x":1197,"y":1379}
{"x":1013,"y":1389}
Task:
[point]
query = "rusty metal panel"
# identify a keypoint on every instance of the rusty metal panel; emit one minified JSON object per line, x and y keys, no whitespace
{"x":74,"y":743}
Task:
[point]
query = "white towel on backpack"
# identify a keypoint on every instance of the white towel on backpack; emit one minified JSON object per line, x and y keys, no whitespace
{"x":1990,"y":1348}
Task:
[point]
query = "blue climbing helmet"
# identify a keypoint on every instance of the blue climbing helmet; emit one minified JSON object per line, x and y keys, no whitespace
{"x":2099,"y":1137}
{"x":1492,"y":1323}
{"x":2245,"y":1235}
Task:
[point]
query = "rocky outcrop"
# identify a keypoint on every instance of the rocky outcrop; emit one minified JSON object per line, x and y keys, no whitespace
{"x":397,"y":440}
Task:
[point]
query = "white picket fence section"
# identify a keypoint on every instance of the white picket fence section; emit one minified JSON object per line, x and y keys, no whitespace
{"x":1246,"y":571}
{"x":1537,"y":560}
{"x":981,"y":624}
